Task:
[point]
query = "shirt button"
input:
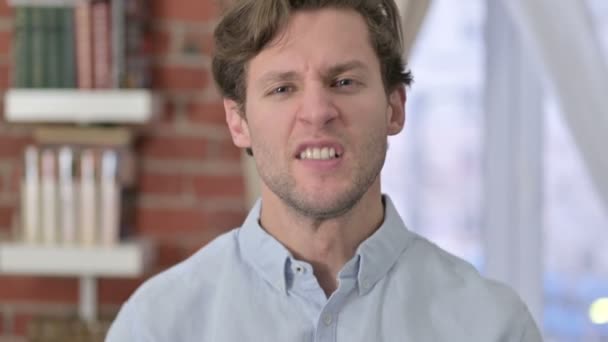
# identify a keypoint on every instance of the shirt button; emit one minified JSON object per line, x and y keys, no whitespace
{"x":366,"y":283}
{"x":328,"y":319}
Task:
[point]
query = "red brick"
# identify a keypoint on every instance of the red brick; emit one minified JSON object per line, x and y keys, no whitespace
{"x":5,"y":42}
{"x":207,"y":44}
{"x":174,"y":147}
{"x":6,"y":217}
{"x":168,"y":222}
{"x":225,"y":220}
{"x":116,"y":291}
{"x":12,"y":147}
{"x":5,"y":9}
{"x":21,"y":322}
{"x":207,"y":113}
{"x":224,"y":149}
{"x":179,"y":77}
{"x":4,"y":77}
{"x":48,"y":290}
{"x":218,"y":186}
{"x":169,"y":252}
{"x":14,"y":185}
{"x":4,"y":184}
{"x":187,"y":10}
{"x":163,"y":184}
{"x":160,"y":42}
{"x":197,"y":43}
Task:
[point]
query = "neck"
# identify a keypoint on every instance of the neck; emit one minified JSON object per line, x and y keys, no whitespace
{"x":326,"y":244}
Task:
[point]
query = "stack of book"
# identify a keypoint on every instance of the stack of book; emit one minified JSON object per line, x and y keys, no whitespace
{"x":94,"y":44}
{"x":75,"y":194}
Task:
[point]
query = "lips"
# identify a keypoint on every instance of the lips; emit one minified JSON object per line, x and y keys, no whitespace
{"x":319,"y":150}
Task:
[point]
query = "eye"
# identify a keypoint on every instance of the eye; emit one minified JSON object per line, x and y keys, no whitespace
{"x":343,"y":82}
{"x":281,"y":90}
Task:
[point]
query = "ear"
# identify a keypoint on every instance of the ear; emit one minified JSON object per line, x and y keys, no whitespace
{"x":237,"y":124}
{"x":395,"y":118}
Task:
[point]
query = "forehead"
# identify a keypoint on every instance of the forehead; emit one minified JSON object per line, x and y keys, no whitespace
{"x":316,"y":39}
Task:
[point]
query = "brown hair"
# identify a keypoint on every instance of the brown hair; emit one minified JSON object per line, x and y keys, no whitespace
{"x":249,"y":25}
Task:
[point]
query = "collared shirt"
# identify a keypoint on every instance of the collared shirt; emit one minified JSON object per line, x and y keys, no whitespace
{"x":399,"y":287}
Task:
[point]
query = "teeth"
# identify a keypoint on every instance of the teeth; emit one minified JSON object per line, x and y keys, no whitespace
{"x":324,"y":153}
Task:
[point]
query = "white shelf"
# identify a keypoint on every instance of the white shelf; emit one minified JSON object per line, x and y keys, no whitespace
{"x":121,"y":106}
{"x":43,"y":3}
{"x":130,"y":259}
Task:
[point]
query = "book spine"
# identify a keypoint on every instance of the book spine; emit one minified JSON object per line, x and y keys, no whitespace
{"x":51,"y":38}
{"x":101,"y":49}
{"x":88,"y":194}
{"x":110,"y":199}
{"x":84,"y":44}
{"x":118,"y":42}
{"x":67,"y":194}
{"x":49,"y":198}
{"x":30,"y":207}
{"x":68,"y":40}
{"x":21,"y":42}
{"x":37,"y":50}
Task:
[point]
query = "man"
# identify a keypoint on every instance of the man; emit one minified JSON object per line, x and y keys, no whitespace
{"x":312,"y":89}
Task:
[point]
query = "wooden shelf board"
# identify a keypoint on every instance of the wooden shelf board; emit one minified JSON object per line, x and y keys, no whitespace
{"x":120,"y":106}
{"x":128,"y":259}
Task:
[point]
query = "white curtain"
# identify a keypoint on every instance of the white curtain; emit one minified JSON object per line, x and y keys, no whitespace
{"x":412,"y":14}
{"x":560,"y":33}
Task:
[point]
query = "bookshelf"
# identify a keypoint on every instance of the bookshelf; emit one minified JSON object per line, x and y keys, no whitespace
{"x":43,"y":3}
{"x":81,"y":79}
{"x":128,"y":259}
{"x":80,"y":106}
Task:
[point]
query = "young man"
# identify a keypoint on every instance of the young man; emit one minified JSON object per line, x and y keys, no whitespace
{"x":312,"y":89}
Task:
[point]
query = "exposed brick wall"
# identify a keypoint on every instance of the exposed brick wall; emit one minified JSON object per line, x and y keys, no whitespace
{"x":190,"y":179}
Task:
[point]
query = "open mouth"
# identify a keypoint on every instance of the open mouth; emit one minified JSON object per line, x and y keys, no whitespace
{"x":319,"y":153}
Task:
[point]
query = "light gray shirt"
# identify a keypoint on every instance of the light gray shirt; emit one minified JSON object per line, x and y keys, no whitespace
{"x":399,"y":287}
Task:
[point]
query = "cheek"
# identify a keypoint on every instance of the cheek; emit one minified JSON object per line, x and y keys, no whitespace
{"x":365,"y":114}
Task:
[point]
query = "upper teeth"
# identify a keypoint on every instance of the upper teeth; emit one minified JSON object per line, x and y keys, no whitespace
{"x":319,"y":153}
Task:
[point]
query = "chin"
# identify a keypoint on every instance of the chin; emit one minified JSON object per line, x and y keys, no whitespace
{"x":326,"y":204}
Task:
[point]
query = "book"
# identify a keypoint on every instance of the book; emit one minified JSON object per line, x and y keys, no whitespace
{"x":84,"y":44}
{"x":67,"y":43}
{"x":118,"y":28}
{"x":38,"y":22}
{"x":30,"y":196}
{"x":102,"y":75}
{"x":67,"y":194}
{"x":49,"y":197}
{"x":21,"y":77}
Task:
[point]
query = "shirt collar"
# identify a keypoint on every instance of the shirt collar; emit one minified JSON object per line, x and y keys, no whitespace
{"x":373,"y":259}
{"x":378,"y":253}
{"x":262,"y":251}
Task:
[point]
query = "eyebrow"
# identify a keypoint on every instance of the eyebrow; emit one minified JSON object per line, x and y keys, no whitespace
{"x":341,"y":68}
{"x":329,"y":73}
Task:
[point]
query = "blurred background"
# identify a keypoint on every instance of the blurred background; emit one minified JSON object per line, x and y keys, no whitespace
{"x":502,"y":160}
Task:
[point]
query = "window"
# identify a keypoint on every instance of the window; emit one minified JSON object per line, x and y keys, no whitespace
{"x":432,"y":171}
{"x":576,"y":257}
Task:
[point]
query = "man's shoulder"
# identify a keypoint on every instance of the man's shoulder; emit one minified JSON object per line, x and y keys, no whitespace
{"x":185,"y":290}
{"x":455,"y":280}
{"x":454,"y":291}
{"x":193,"y":274}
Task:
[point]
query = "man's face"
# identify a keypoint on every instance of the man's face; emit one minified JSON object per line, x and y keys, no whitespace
{"x":317,"y":115}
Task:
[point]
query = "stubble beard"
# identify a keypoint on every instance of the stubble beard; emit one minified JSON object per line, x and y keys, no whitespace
{"x":309,"y":205}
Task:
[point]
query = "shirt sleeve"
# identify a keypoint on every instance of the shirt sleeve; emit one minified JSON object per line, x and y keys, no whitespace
{"x":530,"y":331}
{"x":526,"y":329}
{"x":121,"y":329}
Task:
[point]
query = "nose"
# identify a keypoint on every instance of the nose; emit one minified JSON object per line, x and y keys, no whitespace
{"x":317,"y":108}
